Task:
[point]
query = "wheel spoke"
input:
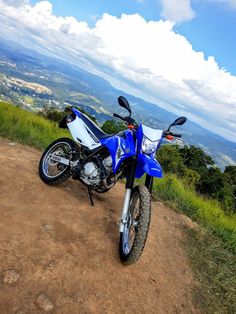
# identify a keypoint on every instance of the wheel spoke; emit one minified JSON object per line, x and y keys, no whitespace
{"x":51,"y":168}
{"x":131,"y":225}
{"x":133,"y":237}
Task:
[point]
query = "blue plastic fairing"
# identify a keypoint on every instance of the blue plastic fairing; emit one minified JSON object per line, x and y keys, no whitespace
{"x":148,"y":164}
{"x":120,"y":148}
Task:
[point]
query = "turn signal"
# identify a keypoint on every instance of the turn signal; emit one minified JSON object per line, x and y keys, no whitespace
{"x":169,"y":137}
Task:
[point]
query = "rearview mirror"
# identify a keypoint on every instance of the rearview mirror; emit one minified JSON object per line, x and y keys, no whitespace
{"x":178,"y":121}
{"x":123,"y":102}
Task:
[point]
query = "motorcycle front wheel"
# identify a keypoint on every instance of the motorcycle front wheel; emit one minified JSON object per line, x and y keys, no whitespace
{"x":133,"y":238}
{"x":53,"y":172}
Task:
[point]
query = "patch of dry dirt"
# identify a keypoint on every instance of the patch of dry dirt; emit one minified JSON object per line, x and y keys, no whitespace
{"x":62,"y":252}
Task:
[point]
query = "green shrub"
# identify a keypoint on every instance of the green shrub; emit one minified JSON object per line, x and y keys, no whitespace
{"x":112,"y":126}
{"x":52,"y":114}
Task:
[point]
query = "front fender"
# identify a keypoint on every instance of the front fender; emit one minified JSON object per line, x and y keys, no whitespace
{"x":148,"y":164}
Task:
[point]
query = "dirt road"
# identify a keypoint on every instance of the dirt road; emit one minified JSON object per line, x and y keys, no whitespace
{"x":55,"y":244}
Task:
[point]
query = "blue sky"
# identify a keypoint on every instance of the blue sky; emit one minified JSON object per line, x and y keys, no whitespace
{"x":179,"y":55}
{"x":212,"y":31}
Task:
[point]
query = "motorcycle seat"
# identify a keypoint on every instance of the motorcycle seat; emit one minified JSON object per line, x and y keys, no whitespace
{"x":97,"y":131}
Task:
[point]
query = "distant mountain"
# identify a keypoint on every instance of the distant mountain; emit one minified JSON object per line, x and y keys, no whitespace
{"x":35,"y":81}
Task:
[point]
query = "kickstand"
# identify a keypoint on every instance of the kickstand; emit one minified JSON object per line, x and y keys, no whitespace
{"x":90,"y":196}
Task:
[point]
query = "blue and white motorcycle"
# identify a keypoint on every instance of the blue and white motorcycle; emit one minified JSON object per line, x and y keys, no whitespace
{"x":99,"y":160}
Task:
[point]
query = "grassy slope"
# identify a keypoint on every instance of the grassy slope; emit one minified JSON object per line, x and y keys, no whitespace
{"x":214,"y":268}
{"x":211,"y":248}
{"x":206,"y":211}
{"x":26,"y":127}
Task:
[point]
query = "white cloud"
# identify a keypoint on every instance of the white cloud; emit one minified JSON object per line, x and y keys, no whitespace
{"x":16,"y":3}
{"x":149,"y":58}
{"x":177,"y":11}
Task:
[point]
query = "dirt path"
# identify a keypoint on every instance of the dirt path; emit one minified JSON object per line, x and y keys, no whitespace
{"x":60,"y":246}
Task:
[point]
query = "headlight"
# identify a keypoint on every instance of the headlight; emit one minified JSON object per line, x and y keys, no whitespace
{"x":149,"y":147}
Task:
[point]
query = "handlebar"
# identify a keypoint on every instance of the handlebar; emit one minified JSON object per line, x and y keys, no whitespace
{"x":177,"y":135}
{"x":166,"y":133}
{"x":127,"y":120}
{"x":131,"y":121}
{"x":120,"y":117}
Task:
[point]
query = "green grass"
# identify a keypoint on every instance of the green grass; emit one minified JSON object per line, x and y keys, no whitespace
{"x":207,"y":212}
{"x":214,"y":269}
{"x":27,"y":128}
{"x":210,"y":248}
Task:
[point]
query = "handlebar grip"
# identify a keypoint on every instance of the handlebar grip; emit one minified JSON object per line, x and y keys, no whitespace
{"x":166,"y":133}
{"x":176,"y":135}
{"x":118,"y":116}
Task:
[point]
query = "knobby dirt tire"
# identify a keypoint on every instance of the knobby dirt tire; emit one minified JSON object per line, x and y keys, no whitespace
{"x":142,"y":227}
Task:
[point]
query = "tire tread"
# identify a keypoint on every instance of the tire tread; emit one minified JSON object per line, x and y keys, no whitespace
{"x":66,"y":174}
{"x":142,"y":228}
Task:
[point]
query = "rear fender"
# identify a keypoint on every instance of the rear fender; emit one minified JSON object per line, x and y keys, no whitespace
{"x":148,"y":164}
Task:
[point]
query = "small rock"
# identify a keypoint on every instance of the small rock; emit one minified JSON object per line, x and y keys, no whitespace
{"x":50,"y":265}
{"x":187,"y":222}
{"x":48,"y":227}
{"x":166,"y":218}
{"x":10,"y":276}
{"x":12,"y":144}
{"x":44,"y":302}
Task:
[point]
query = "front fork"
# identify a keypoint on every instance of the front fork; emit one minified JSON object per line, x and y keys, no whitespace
{"x":128,"y":190}
{"x":149,"y":183}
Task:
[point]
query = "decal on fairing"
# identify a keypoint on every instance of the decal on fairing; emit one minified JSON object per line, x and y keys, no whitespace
{"x":119,"y":152}
{"x":119,"y":148}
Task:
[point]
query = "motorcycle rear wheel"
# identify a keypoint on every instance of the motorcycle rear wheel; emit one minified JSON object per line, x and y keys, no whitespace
{"x":52,"y":172}
{"x":133,"y":238}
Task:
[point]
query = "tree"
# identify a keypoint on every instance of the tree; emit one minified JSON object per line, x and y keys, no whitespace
{"x":225,"y":196}
{"x":231,"y":172}
{"x":112,"y":126}
{"x":170,"y":159}
{"x":190,"y":177}
{"x":211,"y":182}
{"x":230,"y":178}
{"x":197,"y":170}
{"x":194,"y":158}
{"x":52,"y":114}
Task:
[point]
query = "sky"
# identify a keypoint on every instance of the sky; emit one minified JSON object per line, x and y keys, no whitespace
{"x":179,"y":55}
